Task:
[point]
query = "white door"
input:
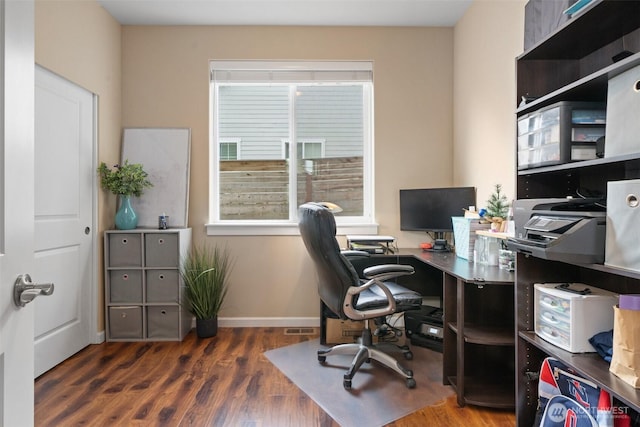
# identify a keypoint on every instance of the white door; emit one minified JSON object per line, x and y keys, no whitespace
{"x":64,"y":181}
{"x":16,"y":208}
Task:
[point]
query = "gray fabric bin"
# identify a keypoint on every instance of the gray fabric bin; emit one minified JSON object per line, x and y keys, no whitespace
{"x":623,"y":114}
{"x":125,"y":250}
{"x":125,"y":286}
{"x":163,"y":285}
{"x":163,"y":321}
{"x":161,"y":250}
{"x":623,"y":217}
{"x":125,"y":322}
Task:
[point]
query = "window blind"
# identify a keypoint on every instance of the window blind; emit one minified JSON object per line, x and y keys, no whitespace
{"x":290,"y":72}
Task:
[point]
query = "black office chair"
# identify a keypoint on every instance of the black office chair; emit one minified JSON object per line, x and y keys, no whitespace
{"x":351,"y":297}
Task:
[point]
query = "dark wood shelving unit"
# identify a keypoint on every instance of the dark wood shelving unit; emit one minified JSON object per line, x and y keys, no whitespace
{"x":590,"y":366}
{"x":597,"y":25}
{"x":488,"y":392}
{"x":489,"y":335}
{"x":574,"y":63}
{"x":583,"y":47}
{"x":592,"y":87}
{"x":477,"y":334}
{"x":479,"y":339}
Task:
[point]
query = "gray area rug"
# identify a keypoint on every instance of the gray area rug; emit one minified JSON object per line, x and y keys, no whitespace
{"x":378,"y":395}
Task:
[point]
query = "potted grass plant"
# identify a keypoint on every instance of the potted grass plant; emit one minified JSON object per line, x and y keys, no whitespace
{"x":205,"y":274}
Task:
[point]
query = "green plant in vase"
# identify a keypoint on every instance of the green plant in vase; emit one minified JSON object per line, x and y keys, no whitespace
{"x":125,"y":180}
{"x":205,"y":274}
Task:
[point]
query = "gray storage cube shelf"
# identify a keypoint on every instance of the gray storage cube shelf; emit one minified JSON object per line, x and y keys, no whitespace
{"x":143,"y":297}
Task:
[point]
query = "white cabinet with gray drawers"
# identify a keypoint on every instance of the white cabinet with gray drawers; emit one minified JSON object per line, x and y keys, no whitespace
{"x":143,"y":289}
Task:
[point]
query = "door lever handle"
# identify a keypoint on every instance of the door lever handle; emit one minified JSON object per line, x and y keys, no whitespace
{"x":25,"y":291}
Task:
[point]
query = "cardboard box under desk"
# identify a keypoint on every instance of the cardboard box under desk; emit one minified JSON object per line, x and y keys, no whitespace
{"x":340,"y":331}
{"x":343,"y":331}
{"x":348,"y":331}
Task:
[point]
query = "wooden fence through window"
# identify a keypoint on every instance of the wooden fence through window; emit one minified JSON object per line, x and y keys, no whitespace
{"x":259,"y":189}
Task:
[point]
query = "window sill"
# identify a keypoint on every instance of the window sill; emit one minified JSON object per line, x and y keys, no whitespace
{"x":280,"y":229}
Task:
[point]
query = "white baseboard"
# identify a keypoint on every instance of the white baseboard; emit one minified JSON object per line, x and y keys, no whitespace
{"x":249,"y":322}
{"x":276,"y":322}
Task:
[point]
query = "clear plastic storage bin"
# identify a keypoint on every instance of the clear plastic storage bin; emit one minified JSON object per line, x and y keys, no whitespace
{"x":560,"y":133}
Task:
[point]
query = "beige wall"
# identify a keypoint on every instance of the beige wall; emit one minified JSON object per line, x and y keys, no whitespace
{"x":486,"y":42}
{"x":80,"y":41}
{"x":165,"y":83}
{"x":158,"y":76}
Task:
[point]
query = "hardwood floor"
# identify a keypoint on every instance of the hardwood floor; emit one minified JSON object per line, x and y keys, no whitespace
{"x":223,"y":381}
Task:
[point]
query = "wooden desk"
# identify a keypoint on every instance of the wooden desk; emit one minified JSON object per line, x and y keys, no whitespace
{"x":460,"y":268}
{"x":479,"y":329}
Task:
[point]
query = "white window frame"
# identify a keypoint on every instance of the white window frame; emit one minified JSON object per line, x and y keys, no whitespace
{"x":235,"y":141}
{"x":261,"y":72}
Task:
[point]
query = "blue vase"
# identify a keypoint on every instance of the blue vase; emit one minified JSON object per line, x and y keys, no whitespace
{"x":126,"y":218}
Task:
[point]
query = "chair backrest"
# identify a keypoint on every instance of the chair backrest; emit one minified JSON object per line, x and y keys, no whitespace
{"x":335,"y":273}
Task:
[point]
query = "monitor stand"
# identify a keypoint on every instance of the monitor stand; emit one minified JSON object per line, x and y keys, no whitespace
{"x":440,"y":245}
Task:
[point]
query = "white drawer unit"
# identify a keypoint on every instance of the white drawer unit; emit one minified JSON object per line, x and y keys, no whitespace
{"x":143,"y":288}
{"x":568,"y":314}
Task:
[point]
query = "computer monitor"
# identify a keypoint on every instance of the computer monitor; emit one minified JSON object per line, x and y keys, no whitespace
{"x":431,"y":209}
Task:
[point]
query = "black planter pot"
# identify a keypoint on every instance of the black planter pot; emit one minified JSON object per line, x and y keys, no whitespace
{"x":206,"y":328}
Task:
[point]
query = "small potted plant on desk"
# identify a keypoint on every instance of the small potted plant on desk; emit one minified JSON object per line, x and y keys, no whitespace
{"x":497,"y":209}
{"x":205,"y":274}
{"x":126,"y":180}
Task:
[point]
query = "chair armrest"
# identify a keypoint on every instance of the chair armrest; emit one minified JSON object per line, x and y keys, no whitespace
{"x":350,"y":253}
{"x":376,"y":276}
{"x":387,"y":271}
{"x":350,"y":309}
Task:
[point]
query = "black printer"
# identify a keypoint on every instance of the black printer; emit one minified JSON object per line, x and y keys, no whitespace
{"x":568,"y":230}
{"x":424,"y":327}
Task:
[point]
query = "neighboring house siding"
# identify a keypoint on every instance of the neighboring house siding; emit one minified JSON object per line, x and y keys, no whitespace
{"x":258,"y":115}
{"x":333,"y":115}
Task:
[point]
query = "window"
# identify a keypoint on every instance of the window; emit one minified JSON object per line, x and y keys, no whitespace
{"x":229,"y":149}
{"x":306,"y":149}
{"x":326,"y":107}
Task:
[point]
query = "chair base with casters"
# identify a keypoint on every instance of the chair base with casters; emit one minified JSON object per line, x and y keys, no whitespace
{"x":365,"y":351}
